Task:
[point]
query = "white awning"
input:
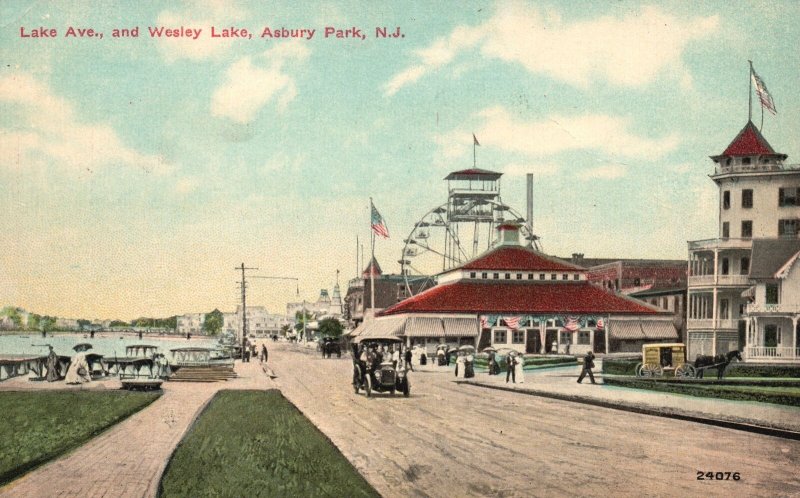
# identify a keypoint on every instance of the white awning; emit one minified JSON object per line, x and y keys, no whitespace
{"x":418,"y":326}
{"x":382,"y":328}
{"x":460,"y":327}
{"x":642,"y":329}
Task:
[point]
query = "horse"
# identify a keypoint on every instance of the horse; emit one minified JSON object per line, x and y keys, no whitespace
{"x":721,"y":361}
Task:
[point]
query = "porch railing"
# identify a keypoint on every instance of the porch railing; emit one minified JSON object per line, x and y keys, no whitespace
{"x":779,"y":352}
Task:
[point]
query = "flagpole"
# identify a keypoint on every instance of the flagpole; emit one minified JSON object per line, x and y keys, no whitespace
{"x":750,"y":94}
{"x":474,"y":153}
{"x":371,"y":268}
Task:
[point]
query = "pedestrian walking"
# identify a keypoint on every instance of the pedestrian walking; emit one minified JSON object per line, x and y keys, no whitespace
{"x":519,"y":364}
{"x":588,"y":365}
{"x":264,"y":353}
{"x":460,"y":366}
{"x":408,"y":360}
{"x":511,"y":362}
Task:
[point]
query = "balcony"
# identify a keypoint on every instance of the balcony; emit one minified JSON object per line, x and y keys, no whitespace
{"x":711,"y":324}
{"x":727,"y":243}
{"x":774,"y":354}
{"x":719,"y":280}
{"x":780,"y":308}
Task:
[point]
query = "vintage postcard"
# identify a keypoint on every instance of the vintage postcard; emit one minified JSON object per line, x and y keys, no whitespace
{"x":343,"y":248}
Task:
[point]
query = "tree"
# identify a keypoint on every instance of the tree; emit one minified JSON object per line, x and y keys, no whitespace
{"x":82,"y":324}
{"x":47,"y":323}
{"x":213,"y":323}
{"x":33,"y":321}
{"x":118,"y":323}
{"x":285,"y":330}
{"x":330,"y":327}
{"x":302,"y":318}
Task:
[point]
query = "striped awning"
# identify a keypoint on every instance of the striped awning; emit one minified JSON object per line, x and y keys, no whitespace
{"x":418,"y":326}
{"x":460,"y":327}
{"x":625,"y":330}
{"x":659,"y":329}
{"x":642,"y":329}
{"x":382,"y":328}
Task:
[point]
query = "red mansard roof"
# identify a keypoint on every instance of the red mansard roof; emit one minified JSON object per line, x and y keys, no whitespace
{"x":749,"y":142}
{"x":517,"y":258}
{"x":520,"y":298}
{"x":473,"y":174}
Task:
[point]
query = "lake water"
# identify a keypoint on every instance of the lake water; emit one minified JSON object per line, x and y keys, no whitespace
{"x":106,"y":344}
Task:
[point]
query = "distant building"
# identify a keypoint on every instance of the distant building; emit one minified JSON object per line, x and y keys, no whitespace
{"x":191,"y":323}
{"x":759,"y":198}
{"x":389,"y":289}
{"x":659,"y":282}
{"x":259,"y":321}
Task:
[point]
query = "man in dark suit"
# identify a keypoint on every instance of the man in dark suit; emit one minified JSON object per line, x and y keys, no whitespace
{"x":511,"y":362}
{"x":588,"y":365}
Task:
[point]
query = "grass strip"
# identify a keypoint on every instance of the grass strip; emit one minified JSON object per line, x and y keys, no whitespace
{"x":256,"y":443}
{"x":789,"y":396}
{"x":39,"y":426}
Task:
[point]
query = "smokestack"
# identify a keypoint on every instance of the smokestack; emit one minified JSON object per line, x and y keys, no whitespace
{"x":529,"y":178}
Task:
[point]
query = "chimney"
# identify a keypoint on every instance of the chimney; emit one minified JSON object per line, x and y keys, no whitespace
{"x":577,"y":257}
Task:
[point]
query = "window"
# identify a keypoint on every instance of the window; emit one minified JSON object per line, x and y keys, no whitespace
{"x":518,"y":337}
{"x":564,"y":277}
{"x":508,"y":276}
{"x":541,"y":276}
{"x":745,"y":266}
{"x":553,"y":276}
{"x":583,"y":337}
{"x":500,"y":336}
{"x":530,"y":276}
{"x":472,"y":274}
{"x":789,"y":196}
{"x":788,"y":228}
{"x":726,"y":229}
{"x":726,"y":199}
{"x":496,"y":276}
{"x":747,"y":229}
{"x":724,"y":311}
{"x":636,"y":282}
{"x":576,"y":277}
{"x":745,"y":161}
{"x":725,"y":266}
{"x":772,"y":294}
{"x":770,"y":336}
{"x":484,"y":275}
{"x":664,"y":303}
{"x":519,"y":276}
{"x":747,"y":198}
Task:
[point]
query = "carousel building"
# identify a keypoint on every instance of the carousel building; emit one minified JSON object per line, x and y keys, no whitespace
{"x":518,"y":298}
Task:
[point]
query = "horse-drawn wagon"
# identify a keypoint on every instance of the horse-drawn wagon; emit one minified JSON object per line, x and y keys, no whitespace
{"x":660,"y":358}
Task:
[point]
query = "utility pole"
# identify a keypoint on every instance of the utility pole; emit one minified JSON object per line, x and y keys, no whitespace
{"x":244,"y":306}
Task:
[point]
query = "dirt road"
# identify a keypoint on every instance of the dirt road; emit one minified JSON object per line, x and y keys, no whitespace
{"x":452,"y":440}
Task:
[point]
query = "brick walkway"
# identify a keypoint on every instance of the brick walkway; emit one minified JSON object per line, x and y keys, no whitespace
{"x":128,"y":459}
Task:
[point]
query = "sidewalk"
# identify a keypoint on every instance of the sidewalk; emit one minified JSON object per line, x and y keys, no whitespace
{"x":560,"y":383}
{"x":128,"y":459}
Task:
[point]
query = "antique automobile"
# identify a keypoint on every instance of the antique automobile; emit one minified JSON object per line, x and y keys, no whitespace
{"x":330,"y":346}
{"x":375,"y":375}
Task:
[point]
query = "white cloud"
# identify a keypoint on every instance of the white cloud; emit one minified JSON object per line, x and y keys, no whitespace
{"x":248,"y":86}
{"x":606,"y":172}
{"x":538,"y":169}
{"x":630,"y":51}
{"x":47,"y":130}
{"x":187,"y":185}
{"x":609,"y":135}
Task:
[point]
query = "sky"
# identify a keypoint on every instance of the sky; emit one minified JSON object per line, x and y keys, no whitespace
{"x":136,"y":173}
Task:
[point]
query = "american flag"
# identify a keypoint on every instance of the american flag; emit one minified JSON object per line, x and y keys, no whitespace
{"x":484,"y":322}
{"x":512,"y":321}
{"x":376,"y":220}
{"x":763,"y":94}
{"x":600,"y":324}
{"x":572,"y":324}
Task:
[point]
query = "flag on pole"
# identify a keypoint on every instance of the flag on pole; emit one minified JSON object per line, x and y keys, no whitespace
{"x":763,"y":94}
{"x":376,"y":220}
{"x":475,"y":140}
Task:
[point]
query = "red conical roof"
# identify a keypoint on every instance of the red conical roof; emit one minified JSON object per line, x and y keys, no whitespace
{"x":749,"y":142}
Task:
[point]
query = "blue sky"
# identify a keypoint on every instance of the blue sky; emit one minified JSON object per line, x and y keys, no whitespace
{"x":136,"y":173}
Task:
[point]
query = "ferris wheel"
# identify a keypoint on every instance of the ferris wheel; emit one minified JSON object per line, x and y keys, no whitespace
{"x":459,"y":230}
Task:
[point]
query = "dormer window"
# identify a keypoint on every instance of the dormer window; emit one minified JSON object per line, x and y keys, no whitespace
{"x":472,"y":274}
{"x":728,"y":162}
{"x":553,"y":276}
{"x":484,"y":275}
{"x":746,"y":161}
{"x":508,"y":276}
{"x":496,"y":276}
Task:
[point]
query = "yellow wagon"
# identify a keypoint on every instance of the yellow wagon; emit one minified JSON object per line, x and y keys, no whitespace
{"x":660,"y":358}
